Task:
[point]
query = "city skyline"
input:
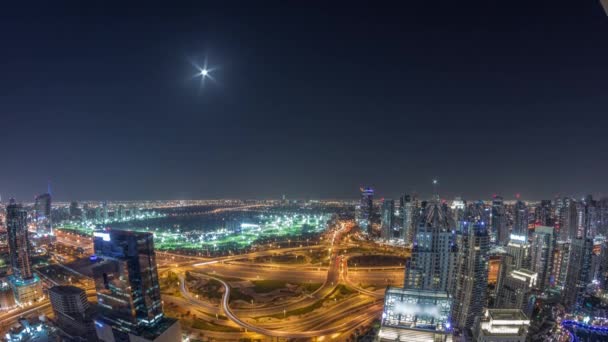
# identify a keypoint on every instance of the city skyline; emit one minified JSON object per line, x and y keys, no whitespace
{"x":490,"y":98}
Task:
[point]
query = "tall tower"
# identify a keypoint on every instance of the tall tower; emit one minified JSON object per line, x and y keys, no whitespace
{"x":520,"y":219}
{"x":407,"y":214}
{"x":18,"y":240}
{"x":499,"y":221}
{"x":42,"y":214}
{"x":127,"y":286}
{"x":388,"y":215}
{"x":431,"y":266}
{"x":471,"y":274}
{"x":25,"y":284}
{"x":366,"y":209}
{"x":541,"y":255}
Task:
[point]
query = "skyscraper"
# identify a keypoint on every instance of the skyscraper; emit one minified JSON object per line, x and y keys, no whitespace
{"x":432,"y":264}
{"x":471,"y":273}
{"x":520,"y":219}
{"x":516,"y":291}
{"x":578,"y":272}
{"x":541,"y":255}
{"x":18,"y":240}
{"x":568,"y":220}
{"x":73,"y":312}
{"x":499,"y":221}
{"x":26,"y":286}
{"x":408,"y":207}
{"x":42,"y":214}
{"x":388,"y":215}
{"x":366,"y":209}
{"x":128,"y":292}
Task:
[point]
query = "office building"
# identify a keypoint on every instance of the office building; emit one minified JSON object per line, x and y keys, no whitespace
{"x":519,"y":248}
{"x":408,"y":206}
{"x":388,"y":217}
{"x":365,"y":209}
{"x":501,"y":325}
{"x":568,"y":218}
{"x":471,"y":274}
{"x":520,"y":219}
{"x":25,"y":284}
{"x":578,"y":273}
{"x":516,"y":291}
{"x":434,"y":253}
{"x":541,"y":254}
{"x":416,"y":315}
{"x":560,"y":265}
{"x":42,"y":214}
{"x":128,"y":291}
{"x":499,"y":221}
{"x":73,"y":313}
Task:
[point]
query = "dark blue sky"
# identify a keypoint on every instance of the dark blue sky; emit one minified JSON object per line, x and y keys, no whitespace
{"x":311,"y":100}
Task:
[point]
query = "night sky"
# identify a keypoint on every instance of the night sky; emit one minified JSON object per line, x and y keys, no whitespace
{"x":311,"y":100}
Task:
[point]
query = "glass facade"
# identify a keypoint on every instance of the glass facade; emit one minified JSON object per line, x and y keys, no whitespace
{"x":126,"y":279}
{"x":417,"y":309}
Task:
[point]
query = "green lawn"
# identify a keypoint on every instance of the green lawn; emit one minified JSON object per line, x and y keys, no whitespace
{"x":269,"y":285}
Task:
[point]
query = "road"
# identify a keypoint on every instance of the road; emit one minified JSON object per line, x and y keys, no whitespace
{"x":331,"y":319}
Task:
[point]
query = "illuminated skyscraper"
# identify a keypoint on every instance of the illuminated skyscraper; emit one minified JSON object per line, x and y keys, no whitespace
{"x":42,"y":214}
{"x":18,"y":240}
{"x":520,"y":219}
{"x":516,"y":291}
{"x":578,"y":272}
{"x":541,"y":255}
{"x":128,"y":292}
{"x":499,"y":221}
{"x":388,"y":217}
{"x":568,"y":220}
{"x":366,"y":209}
{"x":408,"y":207}
{"x":432,"y":264}
{"x":26,"y":286}
{"x":471,"y":275}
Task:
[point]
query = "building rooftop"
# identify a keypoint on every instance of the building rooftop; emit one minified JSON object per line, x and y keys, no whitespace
{"x":66,"y":290}
{"x":506,"y":314}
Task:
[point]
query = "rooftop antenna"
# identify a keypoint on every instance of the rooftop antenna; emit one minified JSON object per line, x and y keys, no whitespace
{"x":436,"y":189}
{"x":48,"y":187}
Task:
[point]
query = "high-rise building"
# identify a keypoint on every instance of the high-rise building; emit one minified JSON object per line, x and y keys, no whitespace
{"x":541,"y":255}
{"x":501,"y":325}
{"x":499,"y":221}
{"x":578,"y":273}
{"x":520,"y":219}
{"x":416,"y":315}
{"x":128,"y":291}
{"x":568,"y":220}
{"x":365,"y":209}
{"x":516,"y":291}
{"x":543,"y":214}
{"x":73,"y":313}
{"x":42,"y":214}
{"x":388,"y":217}
{"x":471,"y":276}
{"x":25,"y":284}
{"x":560,"y":265}
{"x":408,"y":207}
{"x":432,"y":264}
{"x":519,"y":248}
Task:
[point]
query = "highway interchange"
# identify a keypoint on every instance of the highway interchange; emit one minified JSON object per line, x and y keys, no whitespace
{"x":335,"y":320}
